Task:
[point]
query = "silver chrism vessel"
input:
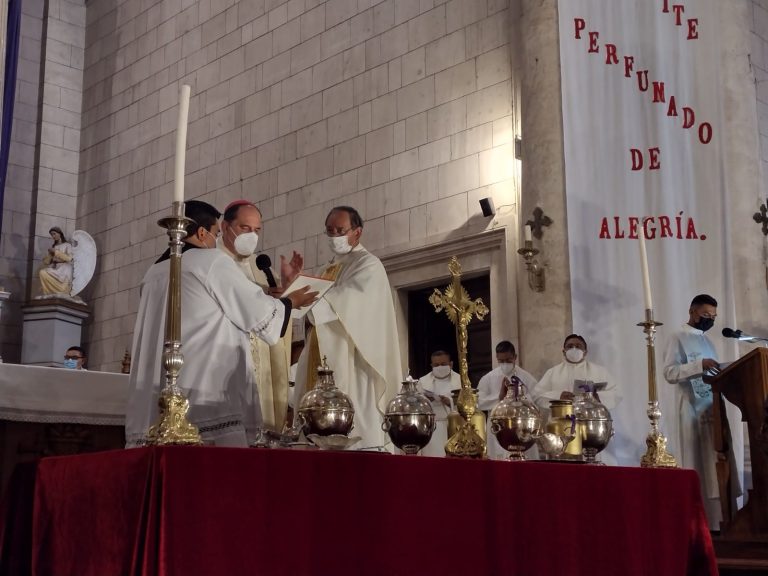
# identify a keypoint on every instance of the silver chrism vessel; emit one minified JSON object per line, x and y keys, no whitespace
{"x":325,"y":410}
{"x":409,"y":419}
{"x":516,"y":421}
{"x":595,"y":425}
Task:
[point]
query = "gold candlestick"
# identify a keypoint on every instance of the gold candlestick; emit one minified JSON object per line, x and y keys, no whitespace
{"x":460,"y":309}
{"x":173,"y":426}
{"x":656,"y":455}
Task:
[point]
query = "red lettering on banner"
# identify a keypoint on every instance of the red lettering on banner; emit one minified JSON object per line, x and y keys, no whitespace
{"x":648,"y":228}
{"x":653,"y":155}
{"x":689,"y":117}
{"x":678,"y":10}
{"x":640,"y":75}
{"x":693,"y":29}
{"x":629,"y":62}
{"x":672,"y":109}
{"x":604,"y":233}
{"x":665,"y":7}
{"x":654,"y":158}
{"x":580,"y":24}
{"x":658,"y":92}
{"x":690,"y":234}
{"x":652,"y":234}
{"x":593,"y":45}
{"x":666,"y":231}
{"x":610,"y":54}
{"x":705,"y":132}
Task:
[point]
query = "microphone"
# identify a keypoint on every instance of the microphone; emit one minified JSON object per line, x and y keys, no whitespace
{"x":730,"y":333}
{"x":739,"y":335}
{"x":264,"y":263}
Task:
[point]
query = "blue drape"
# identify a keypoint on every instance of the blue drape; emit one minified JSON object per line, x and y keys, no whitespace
{"x":9,"y":91}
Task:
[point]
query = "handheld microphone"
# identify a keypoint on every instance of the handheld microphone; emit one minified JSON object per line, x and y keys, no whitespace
{"x":730,"y":333}
{"x":264,"y":263}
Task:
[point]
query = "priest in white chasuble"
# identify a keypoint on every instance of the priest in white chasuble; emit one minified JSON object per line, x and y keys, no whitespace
{"x":219,"y":307}
{"x":354,"y":326}
{"x":270,"y":363}
{"x":559,"y":381}
{"x":437,"y":386}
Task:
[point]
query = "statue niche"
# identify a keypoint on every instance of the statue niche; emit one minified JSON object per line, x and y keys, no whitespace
{"x":68,"y":266}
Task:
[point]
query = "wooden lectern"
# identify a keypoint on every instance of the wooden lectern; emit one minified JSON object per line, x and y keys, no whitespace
{"x":744,"y":533}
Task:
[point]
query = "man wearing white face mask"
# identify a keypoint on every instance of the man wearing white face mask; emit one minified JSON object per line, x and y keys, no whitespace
{"x":219,"y":307}
{"x":240,"y":230}
{"x":437,"y":386}
{"x":558,"y":381}
{"x":493,"y":387}
{"x":354,"y":327}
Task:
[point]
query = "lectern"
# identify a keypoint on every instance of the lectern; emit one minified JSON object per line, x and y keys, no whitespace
{"x":745,"y":384}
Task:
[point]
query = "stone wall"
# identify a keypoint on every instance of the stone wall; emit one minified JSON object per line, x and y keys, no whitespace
{"x":402,"y":108}
{"x":41,"y":186}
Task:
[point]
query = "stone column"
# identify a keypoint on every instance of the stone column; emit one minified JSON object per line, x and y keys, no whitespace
{"x":545,"y":317}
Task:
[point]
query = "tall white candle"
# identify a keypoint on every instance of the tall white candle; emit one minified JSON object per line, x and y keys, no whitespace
{"x":181,"y":144}
{"x":528,"y":233}
{"x":644,"y":267}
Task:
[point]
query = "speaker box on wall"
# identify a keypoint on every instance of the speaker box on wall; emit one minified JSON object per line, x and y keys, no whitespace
{"x":486,"y":204}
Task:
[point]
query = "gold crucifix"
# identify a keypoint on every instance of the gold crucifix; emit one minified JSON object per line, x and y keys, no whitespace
{"x":460,"y":309}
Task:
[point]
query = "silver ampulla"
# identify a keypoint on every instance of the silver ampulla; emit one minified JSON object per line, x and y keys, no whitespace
{"x":516,"y":421}
{"x":325,"y":410}
{"x":409,"y":419}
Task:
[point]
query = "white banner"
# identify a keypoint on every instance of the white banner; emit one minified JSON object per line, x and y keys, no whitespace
{"x":642,"y":115}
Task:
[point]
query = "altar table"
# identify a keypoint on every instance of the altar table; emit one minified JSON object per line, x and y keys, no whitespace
{"x":201,"y":510}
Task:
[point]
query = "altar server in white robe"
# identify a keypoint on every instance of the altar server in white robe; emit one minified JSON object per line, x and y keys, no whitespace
{"x":219,"y":307}
{"x":437,"y":386}
{"x":690,"y":356}
{"x":559,"y":382}
{"x":270,"y":363}
{"x":493,"y":387}
{"x":354,"y":327}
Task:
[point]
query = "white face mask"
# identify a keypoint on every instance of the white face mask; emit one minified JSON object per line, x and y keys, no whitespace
{"x":507,"y":368}
{"x":574,"y":355}
{"x":441,"y":371}
{"x":339,"y":244}
{"x":245,"y":244}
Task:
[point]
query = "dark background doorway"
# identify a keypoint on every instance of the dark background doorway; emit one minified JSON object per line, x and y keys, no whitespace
{"x":428,"y":331}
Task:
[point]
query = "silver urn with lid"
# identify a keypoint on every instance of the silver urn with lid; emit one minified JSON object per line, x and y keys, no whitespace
{"x":409,"y":419}
{"x":594,"y":422}
{"x":325,"y":410}
{"x":516,"y":421}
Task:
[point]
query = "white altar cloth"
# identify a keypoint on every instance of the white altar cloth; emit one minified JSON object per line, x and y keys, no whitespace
{"x":58,"y":395}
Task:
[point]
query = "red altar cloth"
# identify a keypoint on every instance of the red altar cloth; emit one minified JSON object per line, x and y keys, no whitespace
{"x":186,"y":511}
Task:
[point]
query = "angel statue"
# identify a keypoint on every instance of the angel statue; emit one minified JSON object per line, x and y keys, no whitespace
{"x":68,"y":267}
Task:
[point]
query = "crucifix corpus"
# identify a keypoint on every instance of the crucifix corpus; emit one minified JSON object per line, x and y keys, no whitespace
{"x":460,"y":309}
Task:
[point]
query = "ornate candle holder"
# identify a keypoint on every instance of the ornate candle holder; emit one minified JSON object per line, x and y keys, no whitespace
{"x":173,"y":426}
{"x":536,"y":279}
{"x":656,"y":455}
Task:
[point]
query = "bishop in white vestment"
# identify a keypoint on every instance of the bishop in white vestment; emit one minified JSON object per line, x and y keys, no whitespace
{"x":355,"y":328}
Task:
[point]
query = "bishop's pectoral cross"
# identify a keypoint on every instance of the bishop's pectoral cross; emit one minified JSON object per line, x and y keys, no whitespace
{"x":460,"y":310}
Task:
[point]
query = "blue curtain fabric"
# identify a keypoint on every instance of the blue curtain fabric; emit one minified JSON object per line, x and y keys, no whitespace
{"x":9,"y":91}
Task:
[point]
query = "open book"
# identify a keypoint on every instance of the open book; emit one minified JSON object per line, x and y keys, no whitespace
{"x":319,"y":285}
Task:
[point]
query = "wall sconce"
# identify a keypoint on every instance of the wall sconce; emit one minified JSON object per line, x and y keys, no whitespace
{"x":536,"y":279}
{"x":486,"y":205}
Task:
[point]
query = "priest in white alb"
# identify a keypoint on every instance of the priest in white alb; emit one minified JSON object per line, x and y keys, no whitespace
{"x":560,"y":382}
{"x":354,"y":327}
{"x":219,"y":307}
{"x":437,"y":386}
